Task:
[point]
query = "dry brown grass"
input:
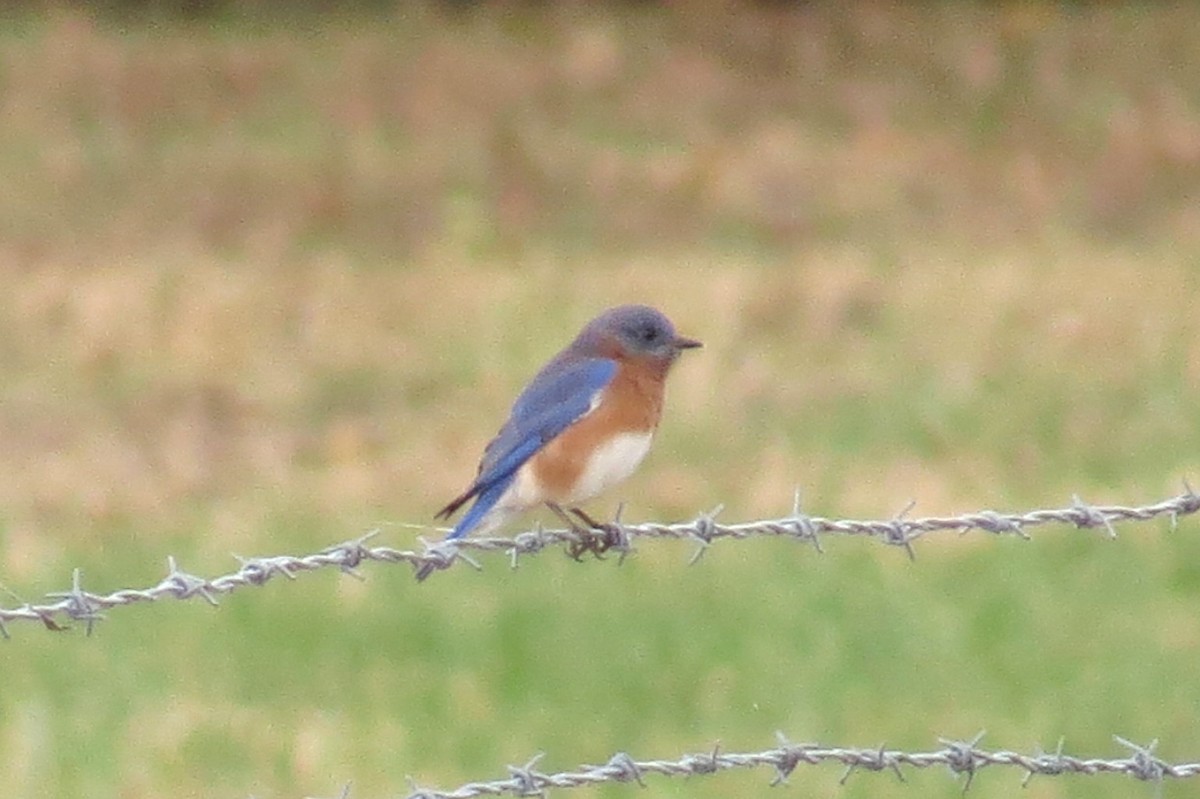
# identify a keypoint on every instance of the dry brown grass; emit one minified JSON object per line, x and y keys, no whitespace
{"x":265,"y":287}
{"x":298,"y":269}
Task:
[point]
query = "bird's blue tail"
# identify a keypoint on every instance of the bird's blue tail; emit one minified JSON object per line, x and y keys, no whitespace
{"x":484,"y":503}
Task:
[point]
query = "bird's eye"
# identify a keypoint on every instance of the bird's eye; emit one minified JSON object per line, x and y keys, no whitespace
{"x":647,"y":333}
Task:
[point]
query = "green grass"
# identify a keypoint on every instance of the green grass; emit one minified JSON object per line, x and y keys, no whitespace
{"x":270,"y":286}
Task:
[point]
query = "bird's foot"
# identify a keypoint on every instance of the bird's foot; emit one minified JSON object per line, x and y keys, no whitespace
{"x":589,"y":535}
{"x":603,"y":535}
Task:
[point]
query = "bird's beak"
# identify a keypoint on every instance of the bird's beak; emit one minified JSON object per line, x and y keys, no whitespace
{"x":682,"y":343}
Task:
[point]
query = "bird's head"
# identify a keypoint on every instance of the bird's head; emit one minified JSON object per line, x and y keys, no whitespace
{"x":636,"y":332}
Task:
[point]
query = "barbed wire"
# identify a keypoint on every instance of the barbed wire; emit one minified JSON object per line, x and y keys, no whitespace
{"x":964,"y":759}
{"x":577,"y":540}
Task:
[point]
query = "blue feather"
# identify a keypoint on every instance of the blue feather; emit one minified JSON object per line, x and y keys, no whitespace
{"x":488,"y":496}
{"x":561,"y":394}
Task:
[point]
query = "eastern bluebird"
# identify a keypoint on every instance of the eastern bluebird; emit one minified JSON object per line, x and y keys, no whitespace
{"x":583,"y":423}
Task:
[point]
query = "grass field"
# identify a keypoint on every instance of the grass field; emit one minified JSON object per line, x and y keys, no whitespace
{"x":267,"y":286}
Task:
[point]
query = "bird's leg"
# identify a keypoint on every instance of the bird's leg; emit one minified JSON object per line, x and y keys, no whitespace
{"x":611,"y":532}
{"x":586,"y":518}
{"x":586,"y":539}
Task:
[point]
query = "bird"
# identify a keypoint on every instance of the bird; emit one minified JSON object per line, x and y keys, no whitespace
{"x":583,"y":424}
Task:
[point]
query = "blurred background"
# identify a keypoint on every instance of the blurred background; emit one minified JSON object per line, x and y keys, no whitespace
{"x":272,"y":275}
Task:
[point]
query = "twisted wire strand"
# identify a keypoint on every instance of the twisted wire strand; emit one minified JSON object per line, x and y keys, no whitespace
{"x":964,"y":759}
{"x":79,"y":605}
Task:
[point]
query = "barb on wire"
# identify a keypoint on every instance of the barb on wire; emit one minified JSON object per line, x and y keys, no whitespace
{"x":963,"y":759}
{"x":79,"y":605}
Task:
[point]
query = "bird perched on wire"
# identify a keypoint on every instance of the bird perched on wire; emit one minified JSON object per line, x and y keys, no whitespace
{"x":583,"y":423}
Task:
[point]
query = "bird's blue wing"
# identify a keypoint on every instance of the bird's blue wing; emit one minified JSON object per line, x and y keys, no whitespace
{"x":559,"y":396}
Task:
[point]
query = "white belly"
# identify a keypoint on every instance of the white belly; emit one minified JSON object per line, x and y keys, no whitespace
{"x":611,"y":463}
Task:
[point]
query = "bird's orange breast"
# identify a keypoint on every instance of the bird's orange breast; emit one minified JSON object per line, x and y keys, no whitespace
{"x":607,"y":444}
